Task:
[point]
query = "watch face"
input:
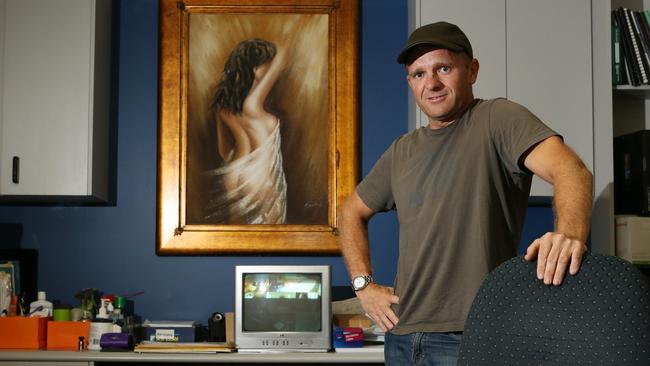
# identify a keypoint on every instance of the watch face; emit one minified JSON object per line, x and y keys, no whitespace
{"x":359,"y":282}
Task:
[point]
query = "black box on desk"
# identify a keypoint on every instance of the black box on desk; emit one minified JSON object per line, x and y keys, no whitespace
{"x":632,"y":173}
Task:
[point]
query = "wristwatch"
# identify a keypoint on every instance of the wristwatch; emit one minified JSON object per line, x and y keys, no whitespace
{"x":361,"y":282}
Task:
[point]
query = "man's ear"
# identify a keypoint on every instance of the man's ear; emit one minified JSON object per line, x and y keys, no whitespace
{"x":408,"y":79}
{"x":473,"y":69}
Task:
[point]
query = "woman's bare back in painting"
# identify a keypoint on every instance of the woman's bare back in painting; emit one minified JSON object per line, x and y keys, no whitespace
{"x":248,"y":142}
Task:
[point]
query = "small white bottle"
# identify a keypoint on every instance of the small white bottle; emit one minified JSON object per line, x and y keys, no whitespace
{"x":45,"y":311}
{"x":102,"y":313}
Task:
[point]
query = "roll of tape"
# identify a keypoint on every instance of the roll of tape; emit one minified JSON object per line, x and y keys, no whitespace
{"x":76,"y":314}
{"x":61,"y":315}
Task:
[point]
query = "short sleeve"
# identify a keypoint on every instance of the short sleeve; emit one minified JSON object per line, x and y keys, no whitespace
{"x":514,"y":130}
{"x":375,"y":190}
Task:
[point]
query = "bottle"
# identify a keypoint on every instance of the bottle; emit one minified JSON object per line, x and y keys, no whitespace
{"x":46,"y":306}
{"x":118,"y":312}
{"x":102,"y":313}
{"x":13,"y":307}
{"x":22,"y":310}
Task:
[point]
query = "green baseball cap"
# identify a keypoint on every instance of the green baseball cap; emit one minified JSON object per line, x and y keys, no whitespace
{"x":441,"y":35}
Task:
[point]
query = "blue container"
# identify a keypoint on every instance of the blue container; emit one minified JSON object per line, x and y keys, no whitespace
{"x":349,"y":337}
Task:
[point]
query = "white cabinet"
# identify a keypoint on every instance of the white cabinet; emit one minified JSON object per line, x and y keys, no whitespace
{"x":54,"y":98}
{"x":536,"y":53}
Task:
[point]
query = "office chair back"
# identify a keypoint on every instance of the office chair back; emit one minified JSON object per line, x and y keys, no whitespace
{"x":600,"y":316}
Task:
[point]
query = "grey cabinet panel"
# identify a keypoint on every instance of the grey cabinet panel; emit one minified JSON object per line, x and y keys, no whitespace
{"x":54,"y":90}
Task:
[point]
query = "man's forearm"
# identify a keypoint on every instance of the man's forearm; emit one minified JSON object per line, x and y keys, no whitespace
{"x":354,"y":246}
{"x":353,"y":227}
{"x":573,"y":199}
{"x":563,"y":248}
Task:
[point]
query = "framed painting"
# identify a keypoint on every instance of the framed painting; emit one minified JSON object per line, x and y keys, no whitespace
{"x":258,"y":125}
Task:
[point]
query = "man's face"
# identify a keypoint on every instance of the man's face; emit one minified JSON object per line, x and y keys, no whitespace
{"x":441,"y":82}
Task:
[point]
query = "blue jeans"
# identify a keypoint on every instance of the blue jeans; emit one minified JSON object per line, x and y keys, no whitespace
{"x":422,"y":349}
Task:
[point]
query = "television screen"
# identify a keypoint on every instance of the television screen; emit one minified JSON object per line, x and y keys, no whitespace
{"x":282,"y":302}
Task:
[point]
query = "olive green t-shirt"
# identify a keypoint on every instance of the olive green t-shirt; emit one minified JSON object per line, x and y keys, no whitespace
{"x":461,"y":195}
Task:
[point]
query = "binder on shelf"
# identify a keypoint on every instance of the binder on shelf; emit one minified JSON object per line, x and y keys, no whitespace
{"x":628,"y":50}
{"x":644,"y":46}
{"x":631,"y":176}
{"x":645,"y":29}
{"x":618,"y":76}
{"x":646,"y":16}
{"x":636,"y":48}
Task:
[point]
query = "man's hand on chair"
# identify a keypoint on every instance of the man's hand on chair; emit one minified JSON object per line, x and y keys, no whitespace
{"x":555,"y":252}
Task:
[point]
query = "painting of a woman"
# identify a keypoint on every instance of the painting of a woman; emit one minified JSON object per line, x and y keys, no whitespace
{"x":248,"y":138}
{"x":258,"y":113}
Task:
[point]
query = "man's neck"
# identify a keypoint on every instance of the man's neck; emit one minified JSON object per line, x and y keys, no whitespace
{"x":436,"y":124}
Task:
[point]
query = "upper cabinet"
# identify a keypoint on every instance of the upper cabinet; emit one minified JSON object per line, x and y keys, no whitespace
{"x":54,"y":100}
{"x":536,"y":53}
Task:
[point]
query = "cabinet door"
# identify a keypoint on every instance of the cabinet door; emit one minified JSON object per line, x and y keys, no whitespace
{"x":47,"y":80}
{"x":484,"y":24}
{"x":550,"y":69}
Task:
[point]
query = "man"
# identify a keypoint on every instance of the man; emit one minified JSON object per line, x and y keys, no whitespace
{"x":460,"y":187}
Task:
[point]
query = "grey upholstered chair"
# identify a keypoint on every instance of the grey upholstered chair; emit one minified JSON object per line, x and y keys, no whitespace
{"x":598,"y":317}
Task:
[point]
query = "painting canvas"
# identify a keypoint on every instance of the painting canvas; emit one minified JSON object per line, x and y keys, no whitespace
{"x":257,"y":156}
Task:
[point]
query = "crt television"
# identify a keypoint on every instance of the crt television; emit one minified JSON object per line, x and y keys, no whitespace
{"x":283,"y":308}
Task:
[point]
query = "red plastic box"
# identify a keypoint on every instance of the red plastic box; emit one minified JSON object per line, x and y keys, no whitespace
{"x":65,"y":335}
{"x":18,"y":332}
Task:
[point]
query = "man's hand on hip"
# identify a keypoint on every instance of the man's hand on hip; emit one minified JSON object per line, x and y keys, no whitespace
{"x":555,"y":252}
{"x":376,"y":300}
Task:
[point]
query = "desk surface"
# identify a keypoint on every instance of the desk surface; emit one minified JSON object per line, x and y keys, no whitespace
{"x":349,"y":356}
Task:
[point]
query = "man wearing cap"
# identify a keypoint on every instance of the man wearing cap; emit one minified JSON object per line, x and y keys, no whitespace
{"x":460,"y":187}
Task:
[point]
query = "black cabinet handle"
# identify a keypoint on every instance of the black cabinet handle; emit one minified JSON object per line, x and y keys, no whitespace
{"x":15,"y":170}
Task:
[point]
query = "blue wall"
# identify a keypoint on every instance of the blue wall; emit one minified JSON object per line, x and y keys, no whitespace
{"x":113,"y":248}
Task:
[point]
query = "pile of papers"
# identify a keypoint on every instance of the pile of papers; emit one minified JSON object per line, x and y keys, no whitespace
{"x":184,"y":347}
{"x":373,"y":334}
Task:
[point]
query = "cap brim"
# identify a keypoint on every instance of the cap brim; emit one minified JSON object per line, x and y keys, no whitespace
{"x":403,"y":56}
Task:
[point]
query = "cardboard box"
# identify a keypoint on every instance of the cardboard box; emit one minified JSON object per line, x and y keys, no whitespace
{"x":19,"y":332}
{"x":230,"y":327}
{"x":352,"y":320}
{"x":65,"y":335}
{"x":633,"y":238}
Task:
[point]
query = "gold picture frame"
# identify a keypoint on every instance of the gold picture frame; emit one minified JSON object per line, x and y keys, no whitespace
{"x":319,"y":140}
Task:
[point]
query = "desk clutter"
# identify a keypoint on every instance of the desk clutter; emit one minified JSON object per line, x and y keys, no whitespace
{"x":107,"y":323}
{"x":280,"y":309}
{"x":97,"y":323}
